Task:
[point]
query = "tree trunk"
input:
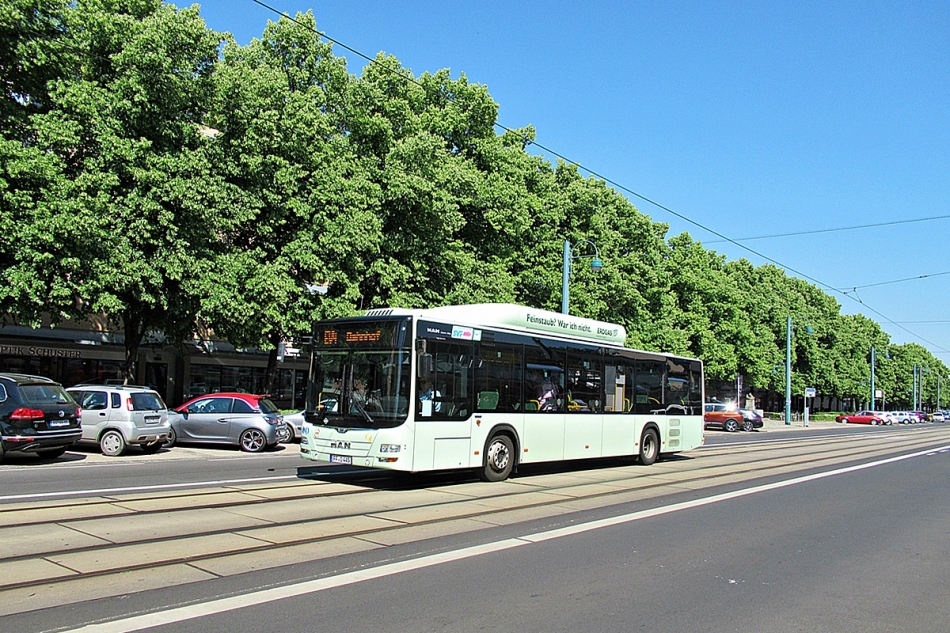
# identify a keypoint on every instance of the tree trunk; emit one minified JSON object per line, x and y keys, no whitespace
{"x":132,"y":322}
{"x":270,"y":376}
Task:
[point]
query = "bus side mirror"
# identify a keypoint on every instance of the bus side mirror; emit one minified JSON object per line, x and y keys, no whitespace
{"x":425,"y":365}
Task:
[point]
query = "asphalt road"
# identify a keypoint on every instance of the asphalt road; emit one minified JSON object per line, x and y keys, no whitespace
{"x":83,"y":470}
{"x":852,"y":541}
{"x":857,"y":552}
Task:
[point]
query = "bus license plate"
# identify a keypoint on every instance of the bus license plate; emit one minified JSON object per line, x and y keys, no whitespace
{"x":341,"y":459}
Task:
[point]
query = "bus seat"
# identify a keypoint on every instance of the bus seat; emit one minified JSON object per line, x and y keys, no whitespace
{"x":532,"y":405}
{"x":487,"y":400}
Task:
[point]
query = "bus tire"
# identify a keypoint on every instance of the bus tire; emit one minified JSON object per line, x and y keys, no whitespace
{"x":649,"y":447}
{"x":499,"y":459}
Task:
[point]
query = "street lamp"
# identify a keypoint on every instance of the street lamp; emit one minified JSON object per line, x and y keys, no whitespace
{"x":919,"y":386}
{"x":595,"y":265}
{"x":873,"y":393}
{"x":788,"y":369}
{"x":939,"y":407}
{"x":873,"y":390}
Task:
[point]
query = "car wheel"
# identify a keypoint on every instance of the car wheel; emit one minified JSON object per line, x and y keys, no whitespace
{"x":285,"y":434}
{"x":253,"y":441}
{"x":172,"y":438}
{"x":731,"y":425}
{"x":499,"y":459}
{"x":154,"y":447}
{"x":649,"y":447}
{"x":112,"y":443}
{"x":50,"y":453}
{"x":747,"y":426}
{"x":873,"y":422}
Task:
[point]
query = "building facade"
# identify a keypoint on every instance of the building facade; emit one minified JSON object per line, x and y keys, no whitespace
{"x":89,"y":353}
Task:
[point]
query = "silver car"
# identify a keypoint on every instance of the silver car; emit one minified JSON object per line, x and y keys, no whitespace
{"x":247,"y":420}
{"x":294,"y":422}
{"x":118,"y":416}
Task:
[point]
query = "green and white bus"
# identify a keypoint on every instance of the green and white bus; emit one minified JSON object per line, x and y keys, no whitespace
{"x":489,"y":387}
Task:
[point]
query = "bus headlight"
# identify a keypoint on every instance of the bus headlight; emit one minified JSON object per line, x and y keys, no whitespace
{"x":389,"y":448}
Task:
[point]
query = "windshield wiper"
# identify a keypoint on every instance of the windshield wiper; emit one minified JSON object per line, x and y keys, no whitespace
{"x":359,"y":407}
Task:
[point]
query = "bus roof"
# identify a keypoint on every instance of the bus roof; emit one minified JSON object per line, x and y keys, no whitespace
{"x":514,"y":317}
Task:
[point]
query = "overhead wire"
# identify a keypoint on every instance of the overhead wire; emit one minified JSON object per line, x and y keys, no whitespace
{"x":893,"y":281}
{"x":834,"y":230}
{"x":624,"y":188}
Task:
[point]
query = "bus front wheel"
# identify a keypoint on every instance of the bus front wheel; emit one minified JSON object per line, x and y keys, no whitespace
{"x":499,"y":459}
{"x":649,"y":447}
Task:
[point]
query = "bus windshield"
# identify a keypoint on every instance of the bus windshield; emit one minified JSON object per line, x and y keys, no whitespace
{"x":365,"y":388}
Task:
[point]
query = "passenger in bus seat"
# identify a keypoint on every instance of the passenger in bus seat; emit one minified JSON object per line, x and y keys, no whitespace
{"x":547,"y":394}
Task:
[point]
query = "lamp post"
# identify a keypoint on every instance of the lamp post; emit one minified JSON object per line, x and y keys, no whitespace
{"x":788,"y":372}
{"x":939,"y":408}
{"x":595,"y":265}
{"x":788,"y":369}
{"x":873,"y":393}
{"x":914,"y":405}
{"x":923,"y":370}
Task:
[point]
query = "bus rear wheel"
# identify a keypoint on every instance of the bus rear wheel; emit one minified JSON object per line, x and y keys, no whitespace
{"x":649,"y":447}
{"x":499,"y":459}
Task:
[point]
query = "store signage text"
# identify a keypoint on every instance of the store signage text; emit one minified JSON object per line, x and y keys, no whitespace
{"x":30,"y":350}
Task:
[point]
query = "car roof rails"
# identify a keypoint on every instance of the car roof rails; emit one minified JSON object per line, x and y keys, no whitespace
{"x":108,"y":386}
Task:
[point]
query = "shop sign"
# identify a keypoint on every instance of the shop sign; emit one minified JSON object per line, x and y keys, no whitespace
{"x":32,"y":350}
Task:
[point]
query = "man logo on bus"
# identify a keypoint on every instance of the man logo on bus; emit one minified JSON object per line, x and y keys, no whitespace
{"x":343,"y":445}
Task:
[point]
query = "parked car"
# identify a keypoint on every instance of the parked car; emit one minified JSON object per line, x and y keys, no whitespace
{"x":902,"y":417}
{"x":751,"y":420}
{"x":888,"y":417}
{"x":861,"y":417}
{"x":247,"y":420}
{"x":937,"y":416}
{"x":294,"y":422}
{"x":37,"y":415}
{"x":118,"y":416}
{"x":722,"y":416}
{"x":923,"y":415}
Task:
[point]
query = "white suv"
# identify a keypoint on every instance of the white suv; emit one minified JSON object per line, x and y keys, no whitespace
{"x":115,"y":416}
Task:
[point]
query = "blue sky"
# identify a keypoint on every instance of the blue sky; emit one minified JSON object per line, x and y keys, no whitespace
{"x":750,"y":118}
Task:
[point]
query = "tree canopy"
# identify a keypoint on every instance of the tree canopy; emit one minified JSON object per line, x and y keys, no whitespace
{"x":161,"y":175}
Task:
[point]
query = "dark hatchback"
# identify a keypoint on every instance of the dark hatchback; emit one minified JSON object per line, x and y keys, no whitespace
{"x":36,"y":414}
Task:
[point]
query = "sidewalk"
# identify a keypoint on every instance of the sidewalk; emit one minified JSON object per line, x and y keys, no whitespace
{"x":775,"y":424}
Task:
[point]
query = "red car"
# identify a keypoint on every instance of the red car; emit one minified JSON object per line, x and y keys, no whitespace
{"x":861,"y":417}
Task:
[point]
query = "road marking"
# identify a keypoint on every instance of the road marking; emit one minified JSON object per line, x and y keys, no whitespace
{"x":102,"y":491}
{"x":222,"y":605}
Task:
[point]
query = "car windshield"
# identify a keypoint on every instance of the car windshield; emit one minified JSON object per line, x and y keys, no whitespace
{"x":362,"y":388}
{"x":45,"y":394}
{"x":148,"y":401}
{"x":267,"y":406}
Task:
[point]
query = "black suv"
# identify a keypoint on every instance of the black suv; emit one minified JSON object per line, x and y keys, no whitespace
{"x":36,"y":414}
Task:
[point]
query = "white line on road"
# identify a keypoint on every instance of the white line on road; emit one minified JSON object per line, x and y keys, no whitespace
{"x":103,"y":491}
{"x":221,"y":605}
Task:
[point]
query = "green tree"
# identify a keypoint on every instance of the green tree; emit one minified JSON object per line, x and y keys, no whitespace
{"x":300,"y":208}
{"x":124,"y":189}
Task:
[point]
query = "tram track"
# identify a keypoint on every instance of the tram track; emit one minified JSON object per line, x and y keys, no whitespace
{"x":92,"y":547}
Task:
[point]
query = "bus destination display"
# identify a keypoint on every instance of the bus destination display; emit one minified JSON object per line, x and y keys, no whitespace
{"x":374,"y":335}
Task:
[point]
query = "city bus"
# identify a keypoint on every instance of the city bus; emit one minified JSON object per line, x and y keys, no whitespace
{"x":488,"y":387}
